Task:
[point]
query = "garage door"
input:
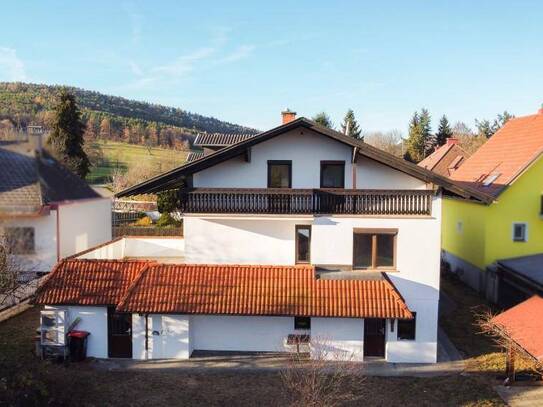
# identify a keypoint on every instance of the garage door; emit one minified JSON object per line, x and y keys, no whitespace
{"x":229,"y":333}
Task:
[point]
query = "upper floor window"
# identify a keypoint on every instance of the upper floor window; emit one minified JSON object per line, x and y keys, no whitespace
{"x":332,"y":174}
{"x":279,"y":174}
{"x":374,"y":248}
{"x":520,"y":232}
{"x":19,"y":240}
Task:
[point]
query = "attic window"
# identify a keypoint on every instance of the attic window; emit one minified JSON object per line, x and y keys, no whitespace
{"x":490,"y":179}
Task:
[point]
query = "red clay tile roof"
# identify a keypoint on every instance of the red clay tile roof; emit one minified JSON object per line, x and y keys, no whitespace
{"x":259,"y":290}
{"x":88,"y":282}
{"x":445,"y":160}
{"x":510,"y":151}
{"x":524,"y":324}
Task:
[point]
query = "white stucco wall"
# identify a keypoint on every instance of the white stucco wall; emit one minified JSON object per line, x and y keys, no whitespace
{"x":233,"y":333}
{"x":84,"y":224}
{"x":373,"y":175}
{"x":113,"y":250}
{"x":93,"y":320}
{"x":306,"y":149}
{"x":154,"y":247}
{"x":337,"y":339}
{"x":168,"y":336}
{"x":45,"y":241}
{"x":240,"y":240}
{"x":424,"y":348}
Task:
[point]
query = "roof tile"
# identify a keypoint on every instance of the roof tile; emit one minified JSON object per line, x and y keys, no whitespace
{"x":507,"y":153}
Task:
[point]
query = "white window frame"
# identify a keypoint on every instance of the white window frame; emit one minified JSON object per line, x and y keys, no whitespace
{"x":525,"y":237}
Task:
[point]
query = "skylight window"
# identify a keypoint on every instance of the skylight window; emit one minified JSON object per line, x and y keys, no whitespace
{"x":490,"y":179}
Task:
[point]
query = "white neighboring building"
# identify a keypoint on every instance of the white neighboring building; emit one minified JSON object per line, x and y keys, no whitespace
{"x":298,"y":233}
{"x":46,"y":212}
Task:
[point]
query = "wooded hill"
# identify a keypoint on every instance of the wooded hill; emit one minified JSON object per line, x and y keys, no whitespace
{"x":110,"y":117}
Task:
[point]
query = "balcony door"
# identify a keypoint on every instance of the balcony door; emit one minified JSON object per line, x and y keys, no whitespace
{"x":279,"y":177}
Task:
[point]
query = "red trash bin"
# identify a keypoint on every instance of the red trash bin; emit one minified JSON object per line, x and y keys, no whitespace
{"x":78,"y":345}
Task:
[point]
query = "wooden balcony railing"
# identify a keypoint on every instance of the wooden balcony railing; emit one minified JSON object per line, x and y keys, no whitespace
{"x":306,"y":201}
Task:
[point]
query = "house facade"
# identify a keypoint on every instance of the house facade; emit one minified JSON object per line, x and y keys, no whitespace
{"x":46,"y":212}
{"x":298,"y":234}
{"x":507,"y":167}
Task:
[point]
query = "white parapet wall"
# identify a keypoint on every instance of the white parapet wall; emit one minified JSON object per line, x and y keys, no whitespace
{"x":340,"y":339}
{"x":151,"y":248}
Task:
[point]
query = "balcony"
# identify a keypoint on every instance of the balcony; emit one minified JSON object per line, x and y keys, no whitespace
{"x":273,"y":201}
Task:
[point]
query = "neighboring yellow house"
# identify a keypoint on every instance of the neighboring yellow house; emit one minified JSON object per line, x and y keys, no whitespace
{"x":509,"y":167}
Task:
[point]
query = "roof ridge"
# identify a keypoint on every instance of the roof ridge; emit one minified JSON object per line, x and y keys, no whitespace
{"x":135,"y":282}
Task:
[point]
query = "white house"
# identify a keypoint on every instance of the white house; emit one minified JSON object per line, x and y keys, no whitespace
{"x":296,"y":234}
{"x":46,"y":212}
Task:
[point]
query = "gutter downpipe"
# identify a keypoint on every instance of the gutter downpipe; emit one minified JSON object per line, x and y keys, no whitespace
{"x":146,"y":336}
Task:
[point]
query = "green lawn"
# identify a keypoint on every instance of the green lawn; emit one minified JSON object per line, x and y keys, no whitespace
{"x":123,"y":155}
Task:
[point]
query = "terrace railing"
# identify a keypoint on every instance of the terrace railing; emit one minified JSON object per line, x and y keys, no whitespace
{"x":306,"y":201}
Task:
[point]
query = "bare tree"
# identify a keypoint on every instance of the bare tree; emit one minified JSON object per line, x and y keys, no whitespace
{"x":326,"y":378}
{"x":467,"y":139}
{"x":15,"y":277}
{"x":390,"y":141}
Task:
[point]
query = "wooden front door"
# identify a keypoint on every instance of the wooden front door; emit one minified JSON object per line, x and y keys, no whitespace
{"x":119,"y":334}
{"x":374,"y":337}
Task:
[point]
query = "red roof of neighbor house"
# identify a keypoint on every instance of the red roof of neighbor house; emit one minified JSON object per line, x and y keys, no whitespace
{"x":508,"y":152}
{"x":445,"y":159}
{"x":524,"y":325}
{"x":88,"y":282}
{"x":259,"y":290}
{"x":136,"y":286}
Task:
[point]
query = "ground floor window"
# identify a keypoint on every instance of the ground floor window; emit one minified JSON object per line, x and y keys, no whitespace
{"x":19,"y":240}
{"x":303,"y":243}
{"x":302,"y":323}
{"x":407,"y":328}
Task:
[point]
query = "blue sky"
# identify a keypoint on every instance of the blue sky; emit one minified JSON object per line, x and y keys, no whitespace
{"x":246,"y":61}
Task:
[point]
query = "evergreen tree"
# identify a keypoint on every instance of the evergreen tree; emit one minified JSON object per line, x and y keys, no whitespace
{"x":323,"y":119}
{"x":66,"y":137}
{"x":444,"y":131}
{"x":415,"y":143}
{"x":350,"y":126}
{"x":426,"y":130}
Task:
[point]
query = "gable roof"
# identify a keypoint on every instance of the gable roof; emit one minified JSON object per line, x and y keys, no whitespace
{"x":523,"y":324}
{"x":445,"y":159}
{"x":29,"y":181}
{"x":174,"y":178}
{"x":506,"y":155}
{"x":146,"y":287}
{"x":88,"y":282}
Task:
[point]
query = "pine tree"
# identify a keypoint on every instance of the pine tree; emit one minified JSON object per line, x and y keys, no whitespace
{"x":66,"y":139}
{"x":415,"y":144}
{"x":426,"y":130}
{"x":444,"y":131}
{"x":324,"y":120}
{"x":350,"y":126}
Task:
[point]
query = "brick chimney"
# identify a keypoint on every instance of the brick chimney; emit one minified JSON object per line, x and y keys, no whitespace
{"x":451,"y":141}
{"x":287,"y":115}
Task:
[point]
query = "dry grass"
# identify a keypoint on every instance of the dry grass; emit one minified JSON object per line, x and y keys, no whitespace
{"x":462,"y":327}
{"x":25,"y":380}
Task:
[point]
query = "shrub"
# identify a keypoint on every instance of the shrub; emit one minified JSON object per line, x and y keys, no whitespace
{"x":143,"y":221}
{"x":166,"y":220}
